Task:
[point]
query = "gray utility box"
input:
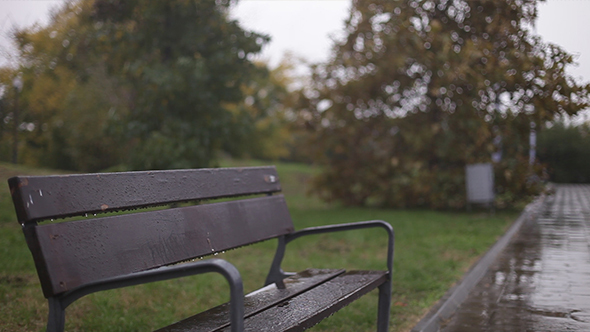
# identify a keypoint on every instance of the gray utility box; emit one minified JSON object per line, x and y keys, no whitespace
{"x":480,"y":183}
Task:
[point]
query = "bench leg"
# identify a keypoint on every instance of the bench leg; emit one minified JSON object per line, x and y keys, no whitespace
{"x":57,"y":316}
{"x":384,"y":307}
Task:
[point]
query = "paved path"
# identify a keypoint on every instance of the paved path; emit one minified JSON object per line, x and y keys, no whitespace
{"x":541,"y":282}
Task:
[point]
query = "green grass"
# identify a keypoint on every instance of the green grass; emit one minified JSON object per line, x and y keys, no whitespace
{"x":432,"y":251}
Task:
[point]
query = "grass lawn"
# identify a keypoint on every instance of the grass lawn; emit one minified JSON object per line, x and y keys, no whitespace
{"x":432,"y":251}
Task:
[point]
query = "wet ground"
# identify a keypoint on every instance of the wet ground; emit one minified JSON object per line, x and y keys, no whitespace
{"x":541,"y":281}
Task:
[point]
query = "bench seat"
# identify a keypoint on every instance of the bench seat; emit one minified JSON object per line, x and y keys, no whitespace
{"x":295,"y":307}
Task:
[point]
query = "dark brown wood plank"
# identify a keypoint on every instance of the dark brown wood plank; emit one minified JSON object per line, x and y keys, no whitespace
{"x":83,"y":251}
{"x":254,"y":302}
{"x":306,"y":310}
{"x":45,"y":197}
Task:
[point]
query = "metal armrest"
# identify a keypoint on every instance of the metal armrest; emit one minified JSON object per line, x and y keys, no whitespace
{"x":276,"y":274}
{"x":58,"y":304}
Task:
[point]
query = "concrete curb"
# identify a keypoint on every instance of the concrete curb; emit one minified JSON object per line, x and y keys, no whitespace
{"x":449,"y":303}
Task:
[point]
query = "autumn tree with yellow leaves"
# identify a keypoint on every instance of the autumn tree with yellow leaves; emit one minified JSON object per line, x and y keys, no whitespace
{"x":419,"y":89}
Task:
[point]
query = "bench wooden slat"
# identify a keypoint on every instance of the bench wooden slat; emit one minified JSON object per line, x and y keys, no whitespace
{"x":45,"y":197}
{"x":255,"y":302}
{"x":308,"y":309}
{"x":79,"y":252}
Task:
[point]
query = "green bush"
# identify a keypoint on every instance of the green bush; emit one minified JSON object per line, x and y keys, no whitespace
{"x":566,"y":152}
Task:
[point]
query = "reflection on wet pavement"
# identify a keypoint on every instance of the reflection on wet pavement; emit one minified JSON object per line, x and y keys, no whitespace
{"x":541,"y":282}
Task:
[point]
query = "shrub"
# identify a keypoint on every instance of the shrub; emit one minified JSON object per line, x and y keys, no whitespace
{"x":566,"y":152}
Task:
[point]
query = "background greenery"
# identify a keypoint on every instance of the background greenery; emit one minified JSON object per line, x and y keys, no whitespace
{"x":421,"y":89}
{"x":432,"y":251}
{"x":412,"y":93}
{"x":566,"y":152}
{"x":140,"y":85}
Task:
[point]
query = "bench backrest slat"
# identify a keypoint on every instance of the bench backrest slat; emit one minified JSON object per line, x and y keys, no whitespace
{"x":70,"y":254}
{"x":46,"y":197}
{"x":82,"y":251}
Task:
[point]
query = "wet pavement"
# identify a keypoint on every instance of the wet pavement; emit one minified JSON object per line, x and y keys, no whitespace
{"x":541,"y":281}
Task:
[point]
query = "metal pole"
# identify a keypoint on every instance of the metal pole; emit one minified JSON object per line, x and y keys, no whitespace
{"x":15,"y":131}
{"x":18,"y":85}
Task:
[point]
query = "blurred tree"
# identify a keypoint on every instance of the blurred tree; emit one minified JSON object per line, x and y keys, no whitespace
{"x":146,"y":84}
{"x":262,"y":117}
{"x":68,"y":100}
{"x":183,"y":63}
{"x":6,"y":113}
{"x":418,"y":89}
{"x":566,"y":152}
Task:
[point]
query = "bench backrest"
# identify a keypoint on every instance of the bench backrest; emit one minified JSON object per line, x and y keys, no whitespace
{"x":73,"y":253}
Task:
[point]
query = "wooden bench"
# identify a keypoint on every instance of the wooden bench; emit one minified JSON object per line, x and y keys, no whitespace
{"x":79,"y":257}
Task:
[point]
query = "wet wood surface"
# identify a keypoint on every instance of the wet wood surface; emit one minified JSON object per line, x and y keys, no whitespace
{"x":255,"y":302}
{"x":84,"y":251}
{"x":308,"y":309}
{"x":46,"y":197}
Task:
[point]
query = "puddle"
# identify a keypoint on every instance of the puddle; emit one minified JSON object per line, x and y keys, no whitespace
{"x":542,"y":279}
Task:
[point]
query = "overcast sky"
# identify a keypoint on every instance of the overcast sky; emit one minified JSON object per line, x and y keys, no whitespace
{"x":304,"y":26}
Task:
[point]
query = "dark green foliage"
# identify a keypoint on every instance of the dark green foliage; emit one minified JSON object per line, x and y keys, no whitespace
{"x":142,"y":84}
{"x":419,"y":89}
{"x":566,"y":152}
{"x":183,"y":62}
